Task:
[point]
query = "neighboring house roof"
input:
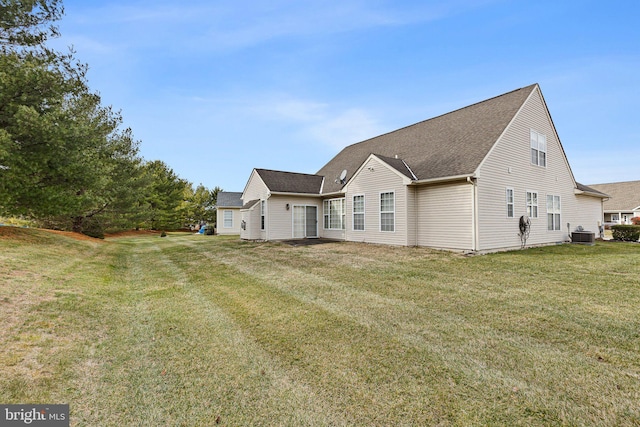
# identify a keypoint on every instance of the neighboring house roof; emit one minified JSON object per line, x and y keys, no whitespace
{"x":453,"y":144}
{"x":624,"y":196}
{"x":229,"y":199}
{"x":290,"y":182}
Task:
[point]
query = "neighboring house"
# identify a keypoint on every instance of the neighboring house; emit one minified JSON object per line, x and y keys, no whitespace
{"x":623,"y":203}
{"x":459,"y":181}
{"x":228,"y":212}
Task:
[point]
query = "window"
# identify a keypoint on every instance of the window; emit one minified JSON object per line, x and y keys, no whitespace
{"x":334,"y":214}
{"x":263,"y":208}
{"x":509,"y":202}
{"x":387,"y":211}
{"x":227,"y":221}
{"x":538,"y":149}
{"x":358,"y":212}
{"x":532,"y":204}
{"x":553,"y":212}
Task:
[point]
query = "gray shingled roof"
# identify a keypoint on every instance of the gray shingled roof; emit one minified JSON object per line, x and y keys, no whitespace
{"x":449,"y":145}
{"x":290,"y":182}
{"x":229,"y":199}
{"x":591,"y":190}
{"x":624,"y":196}
{"x":250,"y":204}
{"x":399,"y":165}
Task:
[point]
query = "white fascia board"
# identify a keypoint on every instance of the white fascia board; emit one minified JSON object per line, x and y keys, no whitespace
{"x":445,"y":179}
{"x":590,"y":194}
{"x":281,"y":193}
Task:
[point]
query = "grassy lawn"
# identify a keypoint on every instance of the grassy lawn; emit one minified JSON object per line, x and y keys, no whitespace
{"x":207,"y":330}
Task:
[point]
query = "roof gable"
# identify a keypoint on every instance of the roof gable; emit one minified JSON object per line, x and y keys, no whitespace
{"x":290,"y":182}
{"x":453,"y":144}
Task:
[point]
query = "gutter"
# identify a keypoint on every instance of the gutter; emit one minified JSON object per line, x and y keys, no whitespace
{"x":590,"y":194}
{"x":466,"y":177}
{"x":284,"y":193}
{"x":335,"y":193}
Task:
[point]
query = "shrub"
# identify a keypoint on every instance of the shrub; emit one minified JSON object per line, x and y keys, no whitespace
{"x":635,"y":220}
{"x":626,"y":233}
{"x":96,"y":233}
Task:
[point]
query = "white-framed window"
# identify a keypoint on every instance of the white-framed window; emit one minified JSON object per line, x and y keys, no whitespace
{"x":334,"y":214}
{"x":553,"y":212}
{"x":227,"y":219}
{"x":387,"y":211}
{"x":358,"y":212}
{"x":538,"y":148}
{"x":532,"y":204}
{"x":509,"y":199}
{"x":263,"y":209}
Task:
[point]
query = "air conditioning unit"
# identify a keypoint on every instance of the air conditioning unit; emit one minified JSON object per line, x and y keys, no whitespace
{"x":584,"y":237}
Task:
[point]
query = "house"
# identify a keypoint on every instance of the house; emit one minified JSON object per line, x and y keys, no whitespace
{"x":228,"y":212}
{"x":459,"y":181}
{"x":624,"y":201}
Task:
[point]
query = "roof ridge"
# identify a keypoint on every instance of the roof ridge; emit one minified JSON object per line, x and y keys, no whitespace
{"x":445,"y":114}
{"x":289,"y":172}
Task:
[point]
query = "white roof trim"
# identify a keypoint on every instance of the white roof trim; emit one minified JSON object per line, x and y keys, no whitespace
{"x":445,"y":179}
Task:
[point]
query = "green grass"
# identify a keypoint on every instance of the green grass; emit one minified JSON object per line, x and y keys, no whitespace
{"x":205,"y":330}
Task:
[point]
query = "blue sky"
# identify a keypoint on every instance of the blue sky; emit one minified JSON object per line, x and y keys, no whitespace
{"x":216,"y":88}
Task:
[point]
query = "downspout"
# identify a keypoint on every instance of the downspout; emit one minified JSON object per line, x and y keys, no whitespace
{"x":474,"y":213}
{"x":417,"y":211}
{"x":267,"y":228}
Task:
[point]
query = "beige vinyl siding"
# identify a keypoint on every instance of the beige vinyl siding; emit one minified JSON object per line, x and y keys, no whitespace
{"x":252,"y":219}
{"x":374,"y":178}
{"x":329,"y":234}
{"x":220,"y":228}
{"x":280,"y":220}
{"x":445,"y":216}
{"x":255,"y":190}
{"x":412,"y":216}
{"x":509,"y":165}
{"x":587,"y":214}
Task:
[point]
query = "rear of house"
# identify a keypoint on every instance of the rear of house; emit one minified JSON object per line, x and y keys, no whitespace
{"x":460,"y":181}
{"x":281,"y":206}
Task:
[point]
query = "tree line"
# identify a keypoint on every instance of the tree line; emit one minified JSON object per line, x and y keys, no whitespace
{"x":65,"y":160}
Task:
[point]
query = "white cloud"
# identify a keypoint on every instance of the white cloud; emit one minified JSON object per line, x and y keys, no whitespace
{"x":318,"y":121}
{"x":220,"y":26}
{"x":345,"y":128}
{"x":298,"y":110}
{"x":299,"y":121}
